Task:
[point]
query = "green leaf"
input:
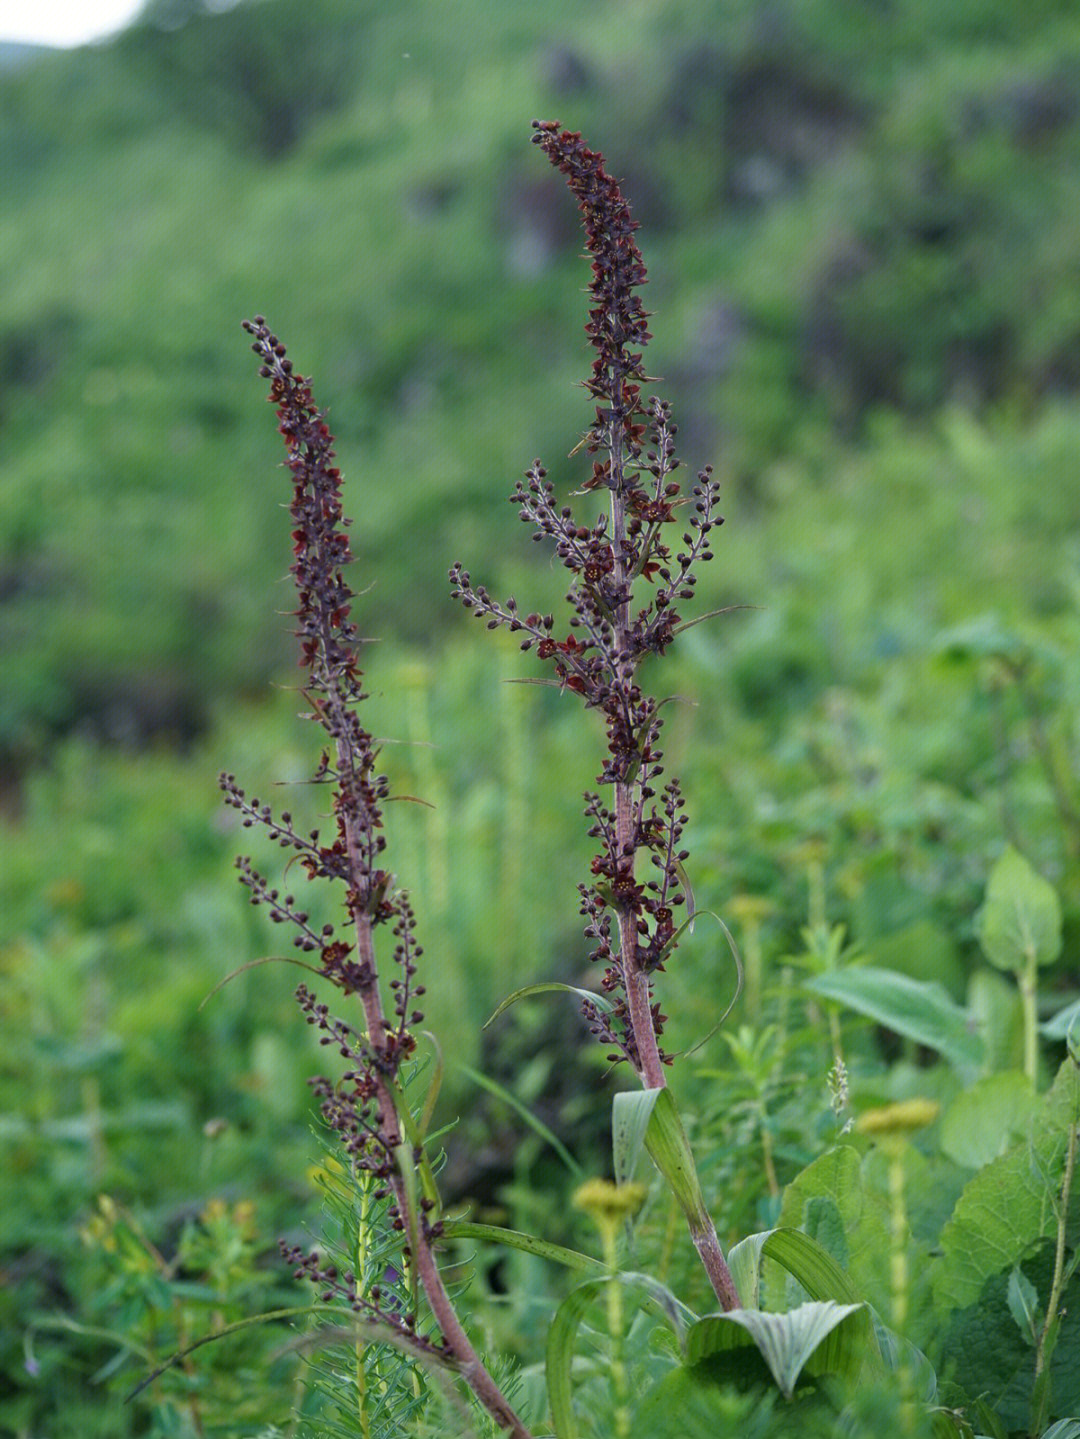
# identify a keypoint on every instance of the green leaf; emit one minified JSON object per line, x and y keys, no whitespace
{"x":1063,"y":1429}
{"x":989,"y":1420}
{"x":528,"y":1243}
{"x":820,"y":1330}
{"x":812,"y":1265}
{"x":697,"y":1404}
{"x":1020,"y":923}
{"x":666,"y":1141}
{"x":800,"y":1255}
{"x":918,"y":1010}
{"x":997,"y":1013}
{"x":631,"y":1112}
{"x":600,"y":1000}
{"x":562,"y":1336}
{"x":1024,"y":1305}
{"x":535,"y":1124}
{"x":947,"y":1424}
{"x":838,"y":1176}
{"x":984,"y":1121}
{"x":1058,"y":1026}
{"x":744,"y":1262}
{"x":1008,"y":1206}
{"x":989,"y":1357}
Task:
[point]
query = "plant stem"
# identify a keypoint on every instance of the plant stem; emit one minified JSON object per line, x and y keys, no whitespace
{"x":712,"y":1257}
{"x":467,"y":1361}
{"x":898,"y":1257}
{"x":1029,"y":978}
{"x":619,"y":1383}
{"x":1059,"y":1253}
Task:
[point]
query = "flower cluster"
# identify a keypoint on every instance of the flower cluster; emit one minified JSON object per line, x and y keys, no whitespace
{"x":609,"y":631}
{"x":362,"y":1106}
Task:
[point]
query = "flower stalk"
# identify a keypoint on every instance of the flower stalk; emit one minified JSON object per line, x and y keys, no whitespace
{"x":628,"y":578}
{"x":363,"y":1106}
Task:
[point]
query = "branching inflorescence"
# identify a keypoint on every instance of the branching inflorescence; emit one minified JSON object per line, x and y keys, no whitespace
{"x":364,"y":1106}
{"x":610,"y":631}
{"x":630,"y":913}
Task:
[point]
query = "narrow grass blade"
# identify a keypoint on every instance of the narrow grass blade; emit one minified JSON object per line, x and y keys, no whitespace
{"x":528,"y":1243}
{"x":536,"y":1125}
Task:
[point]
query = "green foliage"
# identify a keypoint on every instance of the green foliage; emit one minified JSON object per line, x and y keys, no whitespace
{"x":869,"y":294}
{"x":1011,"y":1203}
{"x":1020,"y":924}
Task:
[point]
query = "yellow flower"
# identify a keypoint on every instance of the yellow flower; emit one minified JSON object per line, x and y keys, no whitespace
{"x":609,"y":1203}
{"x":893,"y":1120}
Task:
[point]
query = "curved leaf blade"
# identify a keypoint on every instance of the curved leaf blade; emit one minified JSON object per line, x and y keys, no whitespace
{"x":527,"y":1243}
{"x":631,"y":1112}
{"x":563,"y":1334}
{"x":547,"y":987}
{"x":819,"y":1330}
{"x":919,"y":1010}
{"x":666,"y":1141}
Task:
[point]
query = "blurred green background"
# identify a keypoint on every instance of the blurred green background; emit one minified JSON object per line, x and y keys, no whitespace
{"x":859,"y":218}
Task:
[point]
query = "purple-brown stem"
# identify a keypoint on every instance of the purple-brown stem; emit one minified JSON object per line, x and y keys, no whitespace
{"x":365,"y":1115}
{"x":609,"y":638}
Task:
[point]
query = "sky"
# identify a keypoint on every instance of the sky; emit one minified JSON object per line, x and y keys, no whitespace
{"x":64,"y":22}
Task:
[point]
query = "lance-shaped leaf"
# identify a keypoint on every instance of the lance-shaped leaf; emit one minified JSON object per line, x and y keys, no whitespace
{"x":918,"y":1010}
{"x":631,"y":1112}
{"x":666,"y":1141}
{"x":527,"y":1243}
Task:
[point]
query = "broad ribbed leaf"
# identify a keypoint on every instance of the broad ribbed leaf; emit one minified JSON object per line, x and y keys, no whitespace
{"x":803,"y":1258}
{"x":1021,"y":919}
{"x":1009,"y":1205}
{"x":988,"y":1118}
{"x":820,"y":1330}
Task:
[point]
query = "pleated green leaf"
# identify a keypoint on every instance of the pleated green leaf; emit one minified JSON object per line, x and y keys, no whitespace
{"x":821,"y":1330}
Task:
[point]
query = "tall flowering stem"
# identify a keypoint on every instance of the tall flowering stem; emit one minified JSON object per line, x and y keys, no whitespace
{"x":611,"y":631}
{"x":629,"y":578}
{"x":364,"y":1106}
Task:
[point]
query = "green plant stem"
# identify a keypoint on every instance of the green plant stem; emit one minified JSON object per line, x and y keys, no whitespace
{"x":771,"y":1180}
{"x":898,"y":1257}
{"x":1029,"y":979}
{"x":1059,"y":1253}
{"x":620,"y":1384}
{"x":754,"y":965}
{"x":361,"y":1347}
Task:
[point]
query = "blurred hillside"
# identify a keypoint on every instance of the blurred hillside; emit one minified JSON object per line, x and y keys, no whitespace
{"x":859,"y":216}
